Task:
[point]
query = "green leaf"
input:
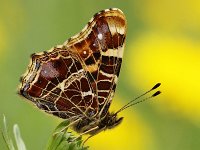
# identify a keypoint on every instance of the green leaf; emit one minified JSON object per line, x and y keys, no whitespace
{"x":56,"y":140}
{"x":58,"y":135}
{"x":6,"y":136}
{"x":62,"y":126}
{"x":60,"y":140}
{"x":18,"y":138}
{"x":63,"y":146}
{"x":63,"y":140}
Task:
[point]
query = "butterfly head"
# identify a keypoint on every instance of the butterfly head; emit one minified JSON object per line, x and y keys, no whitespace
{"x":113,"y":121}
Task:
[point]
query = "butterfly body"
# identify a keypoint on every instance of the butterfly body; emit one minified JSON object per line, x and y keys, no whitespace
{"x":97,"y":125}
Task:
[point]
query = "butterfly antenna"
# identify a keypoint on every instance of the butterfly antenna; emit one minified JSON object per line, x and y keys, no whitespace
{"x":134,"y":101}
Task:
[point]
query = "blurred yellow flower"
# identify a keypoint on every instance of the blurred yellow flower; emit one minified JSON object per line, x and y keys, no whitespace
{"x":129,"y":135}
{"x":172,"y":15}
{"x":174,"y":61}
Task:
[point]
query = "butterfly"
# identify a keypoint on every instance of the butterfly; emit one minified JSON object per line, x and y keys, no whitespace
{"x":77,"y":80}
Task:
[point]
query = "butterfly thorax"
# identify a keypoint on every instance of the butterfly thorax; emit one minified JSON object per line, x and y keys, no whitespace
{"x":96,"y":125}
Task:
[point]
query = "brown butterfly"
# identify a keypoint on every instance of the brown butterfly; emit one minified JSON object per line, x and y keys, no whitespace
{"x":77,"y":80}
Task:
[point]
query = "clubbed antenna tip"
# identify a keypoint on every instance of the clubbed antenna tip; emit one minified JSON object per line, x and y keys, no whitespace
{"x":139,"y":100}
{"x":157,"y":93}
{"x":156,"y":86}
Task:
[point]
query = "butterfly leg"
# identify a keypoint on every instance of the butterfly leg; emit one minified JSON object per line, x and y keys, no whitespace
{"x":65,"y":128}
{"x":87,"y":139}
{"x":92,"y":129}
{"x":95,"y":133}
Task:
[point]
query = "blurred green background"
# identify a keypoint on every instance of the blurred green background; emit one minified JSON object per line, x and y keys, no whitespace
{"x":163,"y":45}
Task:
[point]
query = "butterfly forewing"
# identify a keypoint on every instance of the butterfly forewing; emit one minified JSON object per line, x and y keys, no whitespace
{"x":78,"y":79}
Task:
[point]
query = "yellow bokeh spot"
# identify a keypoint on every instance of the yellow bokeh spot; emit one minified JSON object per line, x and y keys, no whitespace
{"x":175,"y":62}
{"x":129,"y":135}
{"x":172,"y":15}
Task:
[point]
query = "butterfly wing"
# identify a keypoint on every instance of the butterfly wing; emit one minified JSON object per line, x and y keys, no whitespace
{"x":79,"y":78}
